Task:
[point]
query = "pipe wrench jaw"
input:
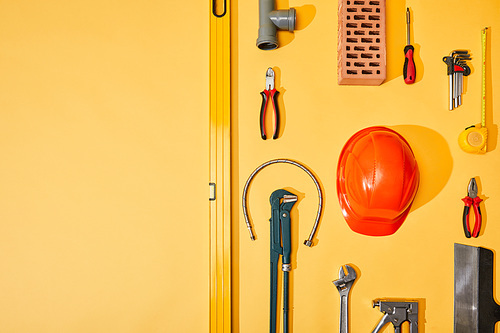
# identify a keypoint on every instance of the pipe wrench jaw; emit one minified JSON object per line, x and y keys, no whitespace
{"x":289,"y":198}
{"x":282,"y":200}
{"x":277,"y":195}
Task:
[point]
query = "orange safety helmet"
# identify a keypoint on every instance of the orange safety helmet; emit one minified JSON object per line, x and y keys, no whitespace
{"x":377,"y":179}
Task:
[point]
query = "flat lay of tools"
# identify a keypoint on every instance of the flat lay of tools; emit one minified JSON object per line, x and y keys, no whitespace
{"x":397,"y":312}
{"x":472,"y":200}
{"x":281,"y":245}
{"x":269,"y":93}
{"x":244,"y":166}
{"x":347,"y":276}
{"x":377,"y":176}
{"x":474,"y":138}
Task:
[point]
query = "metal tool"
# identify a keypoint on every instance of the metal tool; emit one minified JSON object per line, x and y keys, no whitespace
{"x":457,"y":68}
{"x":409,"y":72}
{"x":474,"y":138}
{"x":281,"y":245}
{"x":460,"y":69}
{"x":344,"y":284}
{"x":472,"y":200}
{"x":397,"y":312}
{"x":475,"y":308}
{"x":269,"y":92}
{"x":309,"y":240}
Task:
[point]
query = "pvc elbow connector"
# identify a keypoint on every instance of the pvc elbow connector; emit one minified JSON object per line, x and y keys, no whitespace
{"x":270,"y":20}
{"x":284,"y":19}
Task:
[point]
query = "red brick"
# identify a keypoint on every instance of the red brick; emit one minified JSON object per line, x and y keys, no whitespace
{"x":361,"y":42}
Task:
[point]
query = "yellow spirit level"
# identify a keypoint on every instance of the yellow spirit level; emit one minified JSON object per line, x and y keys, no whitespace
{"x":220,"y":168}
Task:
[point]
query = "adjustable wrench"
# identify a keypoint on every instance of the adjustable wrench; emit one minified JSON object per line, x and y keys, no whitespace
{"x":344,"y":284}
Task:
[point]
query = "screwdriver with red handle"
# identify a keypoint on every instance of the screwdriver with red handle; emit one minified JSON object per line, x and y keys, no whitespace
{"x":409,"y":66}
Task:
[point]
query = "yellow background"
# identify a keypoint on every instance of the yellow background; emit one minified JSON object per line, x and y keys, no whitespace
{"x":104,"y":172}
{"x":104,"y":166}
{"x":319,"y":117}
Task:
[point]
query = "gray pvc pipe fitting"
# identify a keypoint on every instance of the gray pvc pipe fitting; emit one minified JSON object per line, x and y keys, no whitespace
{"x":270,"y":20}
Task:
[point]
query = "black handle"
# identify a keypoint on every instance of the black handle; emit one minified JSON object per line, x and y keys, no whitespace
{"x":263,"y":115}
{"x":465,"y":219}
{"x":273,"y":299}
{"x":274,"y":99}
{"x":409,"y":71}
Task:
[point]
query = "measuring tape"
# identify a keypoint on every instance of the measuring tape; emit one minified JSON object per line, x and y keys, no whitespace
{"x":220,"y":167}
{"x":473,"y":139}
{"x":483,"y":87}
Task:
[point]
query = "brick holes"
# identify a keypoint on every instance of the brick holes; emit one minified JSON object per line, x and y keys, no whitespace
{"x":363,"y":40}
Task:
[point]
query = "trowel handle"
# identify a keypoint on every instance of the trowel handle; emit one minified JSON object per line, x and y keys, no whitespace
{"x":496,"y":313}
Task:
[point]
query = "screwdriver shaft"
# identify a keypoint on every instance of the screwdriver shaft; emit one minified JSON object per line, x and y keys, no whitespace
{"x":407,"y":26}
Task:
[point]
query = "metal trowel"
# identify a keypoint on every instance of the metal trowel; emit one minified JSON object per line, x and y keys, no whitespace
{"x":476,"y":310}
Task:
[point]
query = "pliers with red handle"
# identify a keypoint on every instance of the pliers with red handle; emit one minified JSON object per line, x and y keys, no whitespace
{"x":269,"y":92}
{"x":472,"y":200}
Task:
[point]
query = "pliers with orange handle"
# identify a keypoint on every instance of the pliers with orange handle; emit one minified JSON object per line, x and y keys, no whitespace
{"x":472,"y":200}
{"x":269,"y":92}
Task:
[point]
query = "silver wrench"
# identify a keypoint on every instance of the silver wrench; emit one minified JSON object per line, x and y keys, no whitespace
{"x":344,"y":284}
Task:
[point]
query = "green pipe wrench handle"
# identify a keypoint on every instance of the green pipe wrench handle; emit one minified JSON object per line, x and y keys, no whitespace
{"x":281,"y":244}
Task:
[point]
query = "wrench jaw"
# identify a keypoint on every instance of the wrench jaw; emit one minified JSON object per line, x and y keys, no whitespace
{"x":351,"y":273}
{"x":345,"y":281}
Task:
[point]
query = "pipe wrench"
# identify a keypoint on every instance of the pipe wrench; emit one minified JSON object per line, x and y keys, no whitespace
{"x":396,"y":312}
{"x":281,"y":245}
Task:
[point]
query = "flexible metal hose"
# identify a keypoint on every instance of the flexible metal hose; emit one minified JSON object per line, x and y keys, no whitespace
{"x":307,"y":242}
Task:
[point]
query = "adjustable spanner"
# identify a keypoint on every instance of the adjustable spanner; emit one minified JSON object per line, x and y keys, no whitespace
{"x":344,"y":284}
